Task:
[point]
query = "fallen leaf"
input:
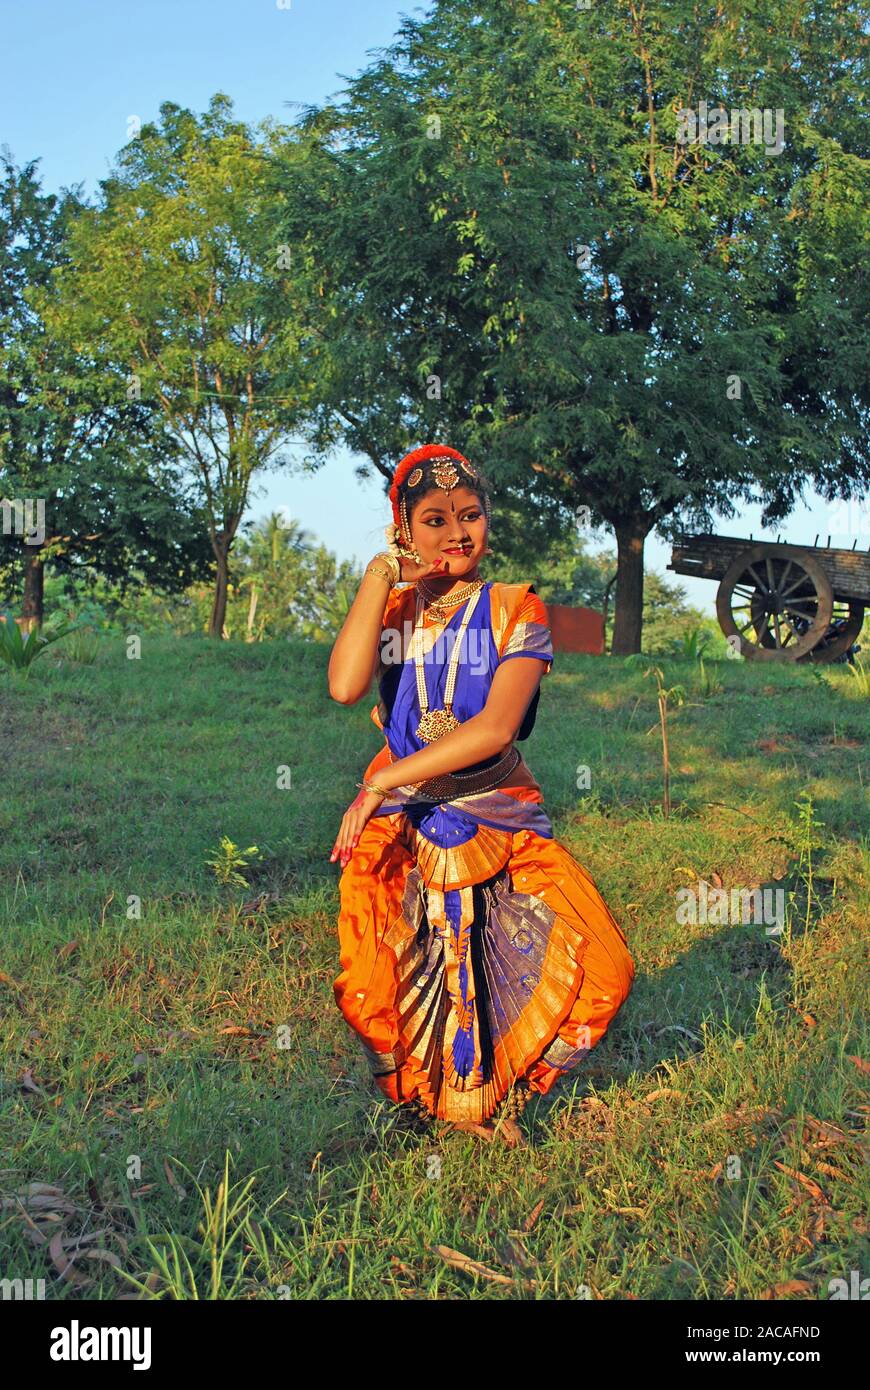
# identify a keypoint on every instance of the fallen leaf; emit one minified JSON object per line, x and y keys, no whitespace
{"x":467,"y":1265}
{"x":812,"y":1187}
{"x":533,"y":1215}
{"x":64,"y":1265}
{"x":831,"y":1133}
{"x":831,"y":1172}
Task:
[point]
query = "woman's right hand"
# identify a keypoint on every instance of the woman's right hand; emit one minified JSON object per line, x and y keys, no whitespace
{"x":410,"y":571}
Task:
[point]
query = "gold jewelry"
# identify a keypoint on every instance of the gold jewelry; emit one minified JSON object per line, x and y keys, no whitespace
{"x":435,"y":723}
{"x":372,"y":787}
{"x":392,"y":563}
{"x":441,"y":603}
{"x":406,"y":545}
{"x":373,"y":569}
{"x":445,"y":473}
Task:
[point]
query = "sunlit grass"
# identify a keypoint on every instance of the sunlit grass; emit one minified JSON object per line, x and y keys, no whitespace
{"x":176,"y":1072}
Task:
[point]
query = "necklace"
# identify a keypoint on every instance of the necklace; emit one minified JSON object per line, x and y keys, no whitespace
{"x":434,"y":723}
{"x":440,"y":603}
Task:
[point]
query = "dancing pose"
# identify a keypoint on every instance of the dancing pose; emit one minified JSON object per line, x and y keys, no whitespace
{"x":478,"y":960}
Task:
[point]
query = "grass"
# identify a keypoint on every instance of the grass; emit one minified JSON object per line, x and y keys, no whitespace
{"x":184,"y":1114}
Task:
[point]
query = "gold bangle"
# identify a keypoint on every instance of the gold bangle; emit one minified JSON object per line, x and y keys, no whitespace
{"x":373,"y":787}
{"x":373,"y":569}
{"x":392,"y":562}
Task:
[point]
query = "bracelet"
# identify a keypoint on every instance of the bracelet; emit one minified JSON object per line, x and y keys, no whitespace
{"x":373,"y":569}
{"x":393,"y":566}
{"x":373,"y":787}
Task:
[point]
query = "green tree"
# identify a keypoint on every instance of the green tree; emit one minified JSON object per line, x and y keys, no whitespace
{"x":294,"y":586}
{"x":668,"y":617}
{"x":517,"y":253}
{"x":182,"y":275}
{"x":95,"y":474}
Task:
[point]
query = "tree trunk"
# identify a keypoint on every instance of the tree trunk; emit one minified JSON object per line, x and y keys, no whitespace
{"x":34,"y":580}
{"x":628,"y":614}
{"x":217,"y":622}
{"x":252,"y":610}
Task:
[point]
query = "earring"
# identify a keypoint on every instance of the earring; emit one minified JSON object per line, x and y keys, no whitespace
{"x":411,"y":550}
{"x":406,"y":532}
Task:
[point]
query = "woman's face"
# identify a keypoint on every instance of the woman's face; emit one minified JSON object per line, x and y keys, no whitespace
{"x":452,"y":524}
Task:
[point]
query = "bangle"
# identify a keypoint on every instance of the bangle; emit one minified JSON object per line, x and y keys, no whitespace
{"x":373,"y":569}
{"x":394,"y":568}
{"x":373,"y":787}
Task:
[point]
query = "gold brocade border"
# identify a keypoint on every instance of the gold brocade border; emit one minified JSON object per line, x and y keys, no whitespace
{"x":457,"y":866}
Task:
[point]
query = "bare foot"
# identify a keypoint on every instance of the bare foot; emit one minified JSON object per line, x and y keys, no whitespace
{"x":486,"y":1131}
{"x":510,"y":1133}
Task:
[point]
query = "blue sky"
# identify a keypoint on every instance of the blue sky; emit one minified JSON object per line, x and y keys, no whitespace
{"x":76,"y":71}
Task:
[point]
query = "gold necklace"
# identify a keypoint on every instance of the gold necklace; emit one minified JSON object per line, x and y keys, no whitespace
{"x":440,"y":603}
{"x":434,"y":723}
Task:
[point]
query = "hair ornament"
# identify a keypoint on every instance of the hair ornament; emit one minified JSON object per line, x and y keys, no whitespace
{"x":416,"y":458}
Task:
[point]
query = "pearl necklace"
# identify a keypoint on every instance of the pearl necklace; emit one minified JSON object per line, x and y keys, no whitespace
{"x":434,"y":723}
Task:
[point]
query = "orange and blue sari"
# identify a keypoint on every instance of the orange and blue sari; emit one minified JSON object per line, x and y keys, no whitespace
{"x":475,"y":951}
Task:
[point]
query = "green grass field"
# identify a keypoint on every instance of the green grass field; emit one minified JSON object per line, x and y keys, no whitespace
{"x":184,"y":1113}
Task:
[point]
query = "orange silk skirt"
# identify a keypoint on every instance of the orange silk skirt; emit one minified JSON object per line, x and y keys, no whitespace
{"x":458,"y":987}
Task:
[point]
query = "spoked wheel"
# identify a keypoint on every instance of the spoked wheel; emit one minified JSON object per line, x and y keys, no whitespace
{"x":847,"y":620}
{"x":777,"y":602}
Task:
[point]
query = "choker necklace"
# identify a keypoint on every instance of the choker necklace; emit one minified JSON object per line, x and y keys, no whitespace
{"x":440,"y":603}
{"x":434,"y":723}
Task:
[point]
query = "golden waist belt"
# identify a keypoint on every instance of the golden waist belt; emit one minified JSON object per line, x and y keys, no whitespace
{"x":453,"y":784}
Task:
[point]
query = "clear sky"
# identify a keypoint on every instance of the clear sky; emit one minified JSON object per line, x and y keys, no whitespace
{"x":76,"y":71}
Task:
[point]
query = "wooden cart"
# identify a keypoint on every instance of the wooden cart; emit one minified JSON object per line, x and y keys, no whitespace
{"x":780,"y":602}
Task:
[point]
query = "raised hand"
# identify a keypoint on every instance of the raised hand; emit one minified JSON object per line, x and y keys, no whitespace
{"x":411,"y":571}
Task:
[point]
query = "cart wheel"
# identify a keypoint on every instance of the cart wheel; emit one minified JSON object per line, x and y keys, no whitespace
{"x":777,"y":601}
{"x":846,"y":623}
{"x":847,"y":619}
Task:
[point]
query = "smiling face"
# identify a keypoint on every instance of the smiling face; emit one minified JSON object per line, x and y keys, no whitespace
{"x":451,"y":524}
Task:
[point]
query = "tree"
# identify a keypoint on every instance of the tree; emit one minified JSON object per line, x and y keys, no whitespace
{"x":294,"y":586}
{"x":182,"y":276}
{"x":93,"y":473}
{"x":518,"y":254}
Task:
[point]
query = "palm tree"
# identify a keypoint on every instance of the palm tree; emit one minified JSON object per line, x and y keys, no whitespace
{"x":274,"y":555}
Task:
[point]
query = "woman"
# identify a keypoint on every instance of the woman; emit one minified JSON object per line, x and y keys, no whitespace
{"x":479,"y":962}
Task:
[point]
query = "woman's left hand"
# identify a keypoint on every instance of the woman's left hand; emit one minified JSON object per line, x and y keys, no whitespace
{"x":352,"y":823}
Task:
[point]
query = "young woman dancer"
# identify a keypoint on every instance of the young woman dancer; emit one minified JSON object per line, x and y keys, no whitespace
{"x":478,"y":960}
